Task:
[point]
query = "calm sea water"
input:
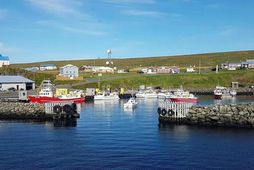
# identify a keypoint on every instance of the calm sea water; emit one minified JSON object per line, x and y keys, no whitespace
{"x":107,"y":136}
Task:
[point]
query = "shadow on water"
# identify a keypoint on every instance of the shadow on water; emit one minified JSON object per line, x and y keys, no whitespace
{"x":179,"y":129}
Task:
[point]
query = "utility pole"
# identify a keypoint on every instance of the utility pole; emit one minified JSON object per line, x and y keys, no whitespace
{"x":199,"y":65}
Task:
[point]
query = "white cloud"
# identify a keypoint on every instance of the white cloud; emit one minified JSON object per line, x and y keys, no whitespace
{"x":130,"y":1}
{"x":142,"y":13}
{"x":228,"y":32}
{"x":80,"y":28}
{"x":58,"y":7}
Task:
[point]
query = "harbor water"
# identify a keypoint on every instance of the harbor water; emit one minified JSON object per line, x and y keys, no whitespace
{"x":106,"y":136}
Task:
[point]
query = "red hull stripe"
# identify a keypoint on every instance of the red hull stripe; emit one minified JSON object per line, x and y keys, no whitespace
{"x":188,"y":100}
{"x":40,"y":99}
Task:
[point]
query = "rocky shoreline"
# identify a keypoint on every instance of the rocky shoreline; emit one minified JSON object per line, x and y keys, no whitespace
{"x":240,"y":116}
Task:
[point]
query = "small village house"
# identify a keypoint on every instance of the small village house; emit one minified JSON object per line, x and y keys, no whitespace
{"x":16,"y":83}
{"x":122,"y":71}
{"x":190,"y":69}
{"x":32,"y":69}
{"x":160,"y":70}
{"x":163,"y":70}
{"x":250,"y":63}
{"x":69,"y":71}
{"x":44,"y":67}
{"x":4,"y":61}
{"x":102,"y":69}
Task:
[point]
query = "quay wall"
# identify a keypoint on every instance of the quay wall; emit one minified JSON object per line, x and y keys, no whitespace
{"x":241,"y":115}
{"x":22,"y":111}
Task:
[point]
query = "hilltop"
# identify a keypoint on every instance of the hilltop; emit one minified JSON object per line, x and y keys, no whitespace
{"x":208,"y":60}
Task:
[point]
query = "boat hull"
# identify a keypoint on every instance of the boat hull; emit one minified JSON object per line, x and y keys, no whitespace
{"x":217,"y":96}
{"x":182,"y":99}
{"x":44,"y":99}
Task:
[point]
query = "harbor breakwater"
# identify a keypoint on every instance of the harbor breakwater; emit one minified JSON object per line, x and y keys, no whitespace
{"x":241,"y":115}
{"x":22,"y":111}
{"x":40,"y":112}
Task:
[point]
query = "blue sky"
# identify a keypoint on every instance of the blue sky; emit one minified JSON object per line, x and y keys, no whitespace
{"x":41,"y":30}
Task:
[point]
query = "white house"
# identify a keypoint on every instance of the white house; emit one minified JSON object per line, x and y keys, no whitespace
{"x":190,"y":70}
{"x":70,"y":71}
{"x":250,"y":63}
{"x":16,"y":82}
{"x":4,"y":61}
{"x":48,"y":67}
{"x":102,"y":69}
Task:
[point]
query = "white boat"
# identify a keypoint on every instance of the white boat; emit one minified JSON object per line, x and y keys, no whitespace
{"x":222,"y":92}
{"x":105,"y":96}
{"x":132,"y":103}
{"x":164,"y":95}
{"x":183,"y":96}
{"x":146,"y":94}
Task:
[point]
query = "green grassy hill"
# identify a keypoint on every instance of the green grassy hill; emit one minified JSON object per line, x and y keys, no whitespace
{"x":209,"y":60}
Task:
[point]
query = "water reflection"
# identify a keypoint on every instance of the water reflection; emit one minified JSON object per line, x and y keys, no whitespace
{"x":65,"y":123}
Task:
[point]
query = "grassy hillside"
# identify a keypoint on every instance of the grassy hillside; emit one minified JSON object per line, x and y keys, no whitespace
{"x":192,"y":81}
{"x":208,"y":60}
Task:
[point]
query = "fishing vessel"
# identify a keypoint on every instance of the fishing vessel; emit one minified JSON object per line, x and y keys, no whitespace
{"x":46,"y":95}
{"x":146,"y":94}
{"x":106,"y":96}
{"x":221,"y":92}
{"x":183,"y":96}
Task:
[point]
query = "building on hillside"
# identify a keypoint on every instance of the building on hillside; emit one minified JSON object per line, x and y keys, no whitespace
{"x":231,"y":65}
{"x":175,"y":70}
{"x":123,"y":71}
{"x":250,"y":63}
{"x":16,"y":83}
{"x":190,"y":69}
{"x":69,"y":71}
{"x":163,"y":70}
{"x":102,"y":69}
{"x":32,"y":69}
{"x":160,"y":70}
{"x":4,"y":61}
{"x":44,"y":67}
{"x":86,"y":68}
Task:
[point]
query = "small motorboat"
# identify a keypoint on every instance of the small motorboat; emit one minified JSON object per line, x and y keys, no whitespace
{"x":132,"y":103}
{"x":106,"y":96}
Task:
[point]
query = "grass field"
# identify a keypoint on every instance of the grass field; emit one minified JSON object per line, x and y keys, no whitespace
{"x":191,"y":81}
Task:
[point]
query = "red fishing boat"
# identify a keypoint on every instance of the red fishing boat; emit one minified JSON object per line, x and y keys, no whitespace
{"x":183,"y":96}
{"x":46,"y":95}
